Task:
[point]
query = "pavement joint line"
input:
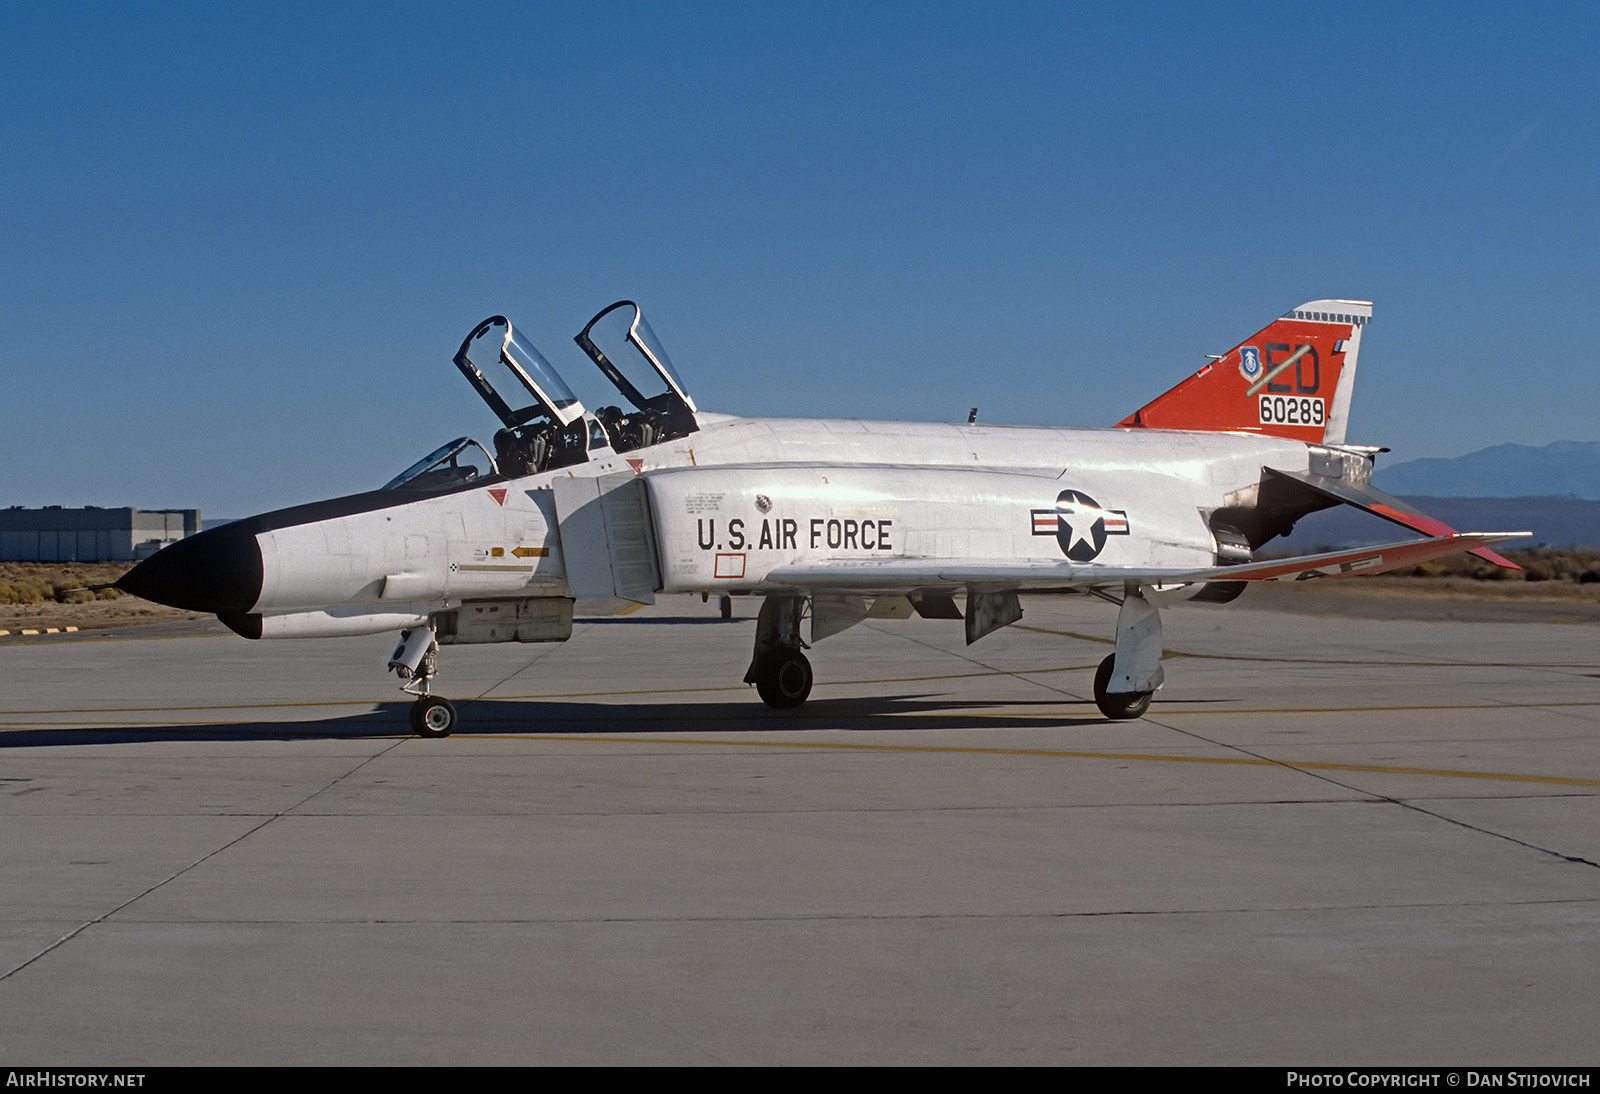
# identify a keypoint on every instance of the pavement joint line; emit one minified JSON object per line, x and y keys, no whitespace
{"x":101,"y":918}
{"x":1315,"y":771}
{"x":988,"y":669}
{"x":1235,"y":711}
{"x":812,"y":917}
{"x":97,"y":634}
{"x":1385,"y":662}
{"x":1359,"y":798}
{"x":1244,"y":760}
{"x":1390,"y":706}
{"x":538,"y":656}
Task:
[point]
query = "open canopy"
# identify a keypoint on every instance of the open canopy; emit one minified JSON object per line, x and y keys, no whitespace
{"x":554,"y":430}
{"x":525,"y":367}
{"x":630,"y":355}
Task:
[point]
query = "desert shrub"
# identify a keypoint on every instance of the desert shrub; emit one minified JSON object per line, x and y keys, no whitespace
{"x":21,"y":592}
{"x":31,"y":583}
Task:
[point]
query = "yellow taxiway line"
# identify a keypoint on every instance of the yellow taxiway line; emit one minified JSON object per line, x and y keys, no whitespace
{"x":1053,"y":753}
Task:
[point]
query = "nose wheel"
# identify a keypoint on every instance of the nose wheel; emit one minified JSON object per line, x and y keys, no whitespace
{"x":433,"y":716}
{"x":416,"y":661}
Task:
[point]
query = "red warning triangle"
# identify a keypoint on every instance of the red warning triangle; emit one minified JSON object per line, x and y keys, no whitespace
{"x":637,"y":465}
{"x":498,"y":493}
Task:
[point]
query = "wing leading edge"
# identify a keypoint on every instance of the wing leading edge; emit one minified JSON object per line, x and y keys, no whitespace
{"x":901,"y":575}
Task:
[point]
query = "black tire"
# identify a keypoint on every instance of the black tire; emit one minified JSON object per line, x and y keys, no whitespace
{"x":433,"y":716}
{"x":1122,"y":705}
{"x":725,"y":606}
{"x":785,"y":679}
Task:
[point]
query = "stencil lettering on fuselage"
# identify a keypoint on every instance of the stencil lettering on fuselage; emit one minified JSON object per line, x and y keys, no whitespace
{"x":788,"y":534}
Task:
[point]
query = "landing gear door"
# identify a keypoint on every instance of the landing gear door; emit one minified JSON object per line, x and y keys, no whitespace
{"x":607,"y":542}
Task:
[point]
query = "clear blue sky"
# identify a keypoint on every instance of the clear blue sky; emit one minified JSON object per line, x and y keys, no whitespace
{"x":241,"y":243}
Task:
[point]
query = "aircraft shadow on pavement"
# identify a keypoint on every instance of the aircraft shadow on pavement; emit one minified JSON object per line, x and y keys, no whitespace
{"x":387,"y":721}
{"x":897,"y":713}
{"x":893,"y":712}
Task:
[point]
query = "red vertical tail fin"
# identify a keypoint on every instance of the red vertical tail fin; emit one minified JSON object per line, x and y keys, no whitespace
{"x":1291,"y":379}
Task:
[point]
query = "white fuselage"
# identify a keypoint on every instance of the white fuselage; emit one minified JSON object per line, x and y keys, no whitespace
{"x":743,"y":497}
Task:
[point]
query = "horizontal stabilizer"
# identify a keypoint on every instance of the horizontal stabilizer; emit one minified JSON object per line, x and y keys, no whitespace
{"x":901,"y":575}
{"x":1369,"y":498}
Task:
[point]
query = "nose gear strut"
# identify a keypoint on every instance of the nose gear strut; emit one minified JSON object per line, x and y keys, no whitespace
{"x":416,"y":661}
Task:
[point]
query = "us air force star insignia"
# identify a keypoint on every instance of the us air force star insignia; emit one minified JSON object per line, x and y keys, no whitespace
{"x":1079,"y":525}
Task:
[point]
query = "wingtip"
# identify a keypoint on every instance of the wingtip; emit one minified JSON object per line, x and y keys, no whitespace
{"x":1495,"y":556}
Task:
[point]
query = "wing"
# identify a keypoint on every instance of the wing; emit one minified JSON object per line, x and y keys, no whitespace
{"x":904,"y":575}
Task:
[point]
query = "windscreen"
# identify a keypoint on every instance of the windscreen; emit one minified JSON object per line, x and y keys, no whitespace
{"x":458,"y":463}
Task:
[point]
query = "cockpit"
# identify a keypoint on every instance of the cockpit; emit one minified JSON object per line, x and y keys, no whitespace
{"x":458,"y":463}
{"x":545,"y":426}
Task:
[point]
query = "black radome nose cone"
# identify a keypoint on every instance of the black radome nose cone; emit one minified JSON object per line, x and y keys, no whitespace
{"x":215,"y":571}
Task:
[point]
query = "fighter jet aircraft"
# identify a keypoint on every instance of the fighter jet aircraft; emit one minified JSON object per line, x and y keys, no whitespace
{"x":830,"y":522}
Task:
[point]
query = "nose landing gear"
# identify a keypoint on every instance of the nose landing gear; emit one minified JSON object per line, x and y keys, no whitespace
{"x":416,"y":661}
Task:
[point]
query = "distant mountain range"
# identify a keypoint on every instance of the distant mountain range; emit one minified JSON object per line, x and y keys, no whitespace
{"x":1505,"y":471}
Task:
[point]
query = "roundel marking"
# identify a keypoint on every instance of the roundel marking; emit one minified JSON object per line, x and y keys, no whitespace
{"x":1080,"y":526}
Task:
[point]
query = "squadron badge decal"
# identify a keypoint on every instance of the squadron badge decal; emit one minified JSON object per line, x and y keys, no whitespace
{"x":1249,"y":363}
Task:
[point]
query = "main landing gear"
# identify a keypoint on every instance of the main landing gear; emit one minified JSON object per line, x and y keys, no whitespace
{"x":416,"y":661}
{"x":783,"y":679}
{"x":1125,"y":681}
{"x":778,"y":668}
{"x":1118,"y":706}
